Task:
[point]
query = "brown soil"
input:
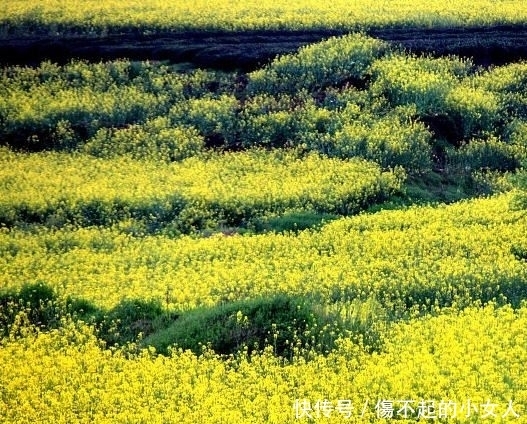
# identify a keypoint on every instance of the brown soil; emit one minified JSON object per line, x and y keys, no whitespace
{"x":246,"y":51}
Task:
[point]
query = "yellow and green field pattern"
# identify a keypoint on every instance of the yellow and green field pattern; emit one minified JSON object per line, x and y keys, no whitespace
{"x":220,"y":189}
{"x":448,"y":255}
{"x":128,"y":189}
{"x":229,"y":15}
{"x":465,"y":365}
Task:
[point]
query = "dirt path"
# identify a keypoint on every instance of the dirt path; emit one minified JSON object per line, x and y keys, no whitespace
{"x":249,"y":50}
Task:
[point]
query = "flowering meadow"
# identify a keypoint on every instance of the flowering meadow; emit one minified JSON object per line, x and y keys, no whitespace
{"x":472,"y":361}
{"x":337,"y":236}
{"x":95,"y":17}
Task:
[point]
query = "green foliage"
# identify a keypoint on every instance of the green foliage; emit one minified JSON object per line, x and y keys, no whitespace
{"x":274,"y":121}
{"x":226,"y":328}
{"x":477,"y":111}
{"x":519,"y":199}
{"x":424,"y":82}
{"x":34,"y":304}
{"x":389,"y":141}
{"x":290,"y":324}
{"x":328,"y":63}
{"x":216,"y":119}
{"x":155,"y":140}
{"x":39,"y":306}
{"x":515,"y":134}
{"x":293,"y":221}
{"x":59,"y":107}
{"x":440,"y":89}
{"x":519,"y":252}
{"x":131,"y":319}
{"x":287,"y":322}
{"x":491,"y":154}
{"x":274,"y":129}
{"x":510,"y":78}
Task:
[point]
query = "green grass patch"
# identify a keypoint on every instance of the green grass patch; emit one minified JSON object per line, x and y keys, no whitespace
{"x":293,"y":221}
{"x":290,"y":324}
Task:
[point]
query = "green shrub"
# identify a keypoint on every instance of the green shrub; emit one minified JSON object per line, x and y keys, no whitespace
{"x":131,"y":319}
{"x":287,"y":323}
{"x":275,"y":129}
{"x":58,"y":107}
{"x":492,"y":154}
{"x":214,"y":118}
{"x":272,"y":121}
{"x":155,"y":140}
{"x":519,"y":252}
{"x":424,"y":82}
{"x":293,"y":221}
{"x":36,"y":302}
{"x":515,"y":134}
{"x":37,"y":305}
{"x":477,"y":111}
{"x":389,"y":141}
{"x":329,"y":63}
{"x":227,"y":328}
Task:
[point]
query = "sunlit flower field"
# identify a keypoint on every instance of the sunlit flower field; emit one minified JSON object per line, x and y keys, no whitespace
{"x":337,"y":236}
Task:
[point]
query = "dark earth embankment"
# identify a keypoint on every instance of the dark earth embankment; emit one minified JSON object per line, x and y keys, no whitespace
{"x":249,"y":50}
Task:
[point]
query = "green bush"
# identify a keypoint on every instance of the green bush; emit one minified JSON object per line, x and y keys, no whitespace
{"x":519,"y":252}
{"x":293,"y":221}
{"x":291,"y":325}
{"x":273,"y":121}
{"x":519,"y":199}
{"x":477,"y":111}
{"x":424,"y":82}
{"x":155,"y":140}
{"x":389,"y":141}
{"x":227,"y":328}
{"x":329,"y":63}
{"x":58,"y":107}
{"x":37,"y":305}
{"x":275,"y":129}
{"x":287,"y":323}
{"x":36,"y":302}
{"x":515,"y":134}
{"x":214,"y":118}
{"x":131,"y":319}
{"x":492,"y":154}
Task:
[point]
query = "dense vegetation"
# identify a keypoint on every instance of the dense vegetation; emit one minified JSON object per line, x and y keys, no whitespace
{"x":56,"y":17}
{"x":293,"y":244}
{"x":231,"y":190}
{"x":346,"y":97}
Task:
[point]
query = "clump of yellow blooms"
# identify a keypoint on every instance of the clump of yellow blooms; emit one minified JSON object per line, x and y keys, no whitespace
{"x":472,"y":361}
{"x":74,"y":188}
{"x":449,"y":254}
{"x":93,"y":16}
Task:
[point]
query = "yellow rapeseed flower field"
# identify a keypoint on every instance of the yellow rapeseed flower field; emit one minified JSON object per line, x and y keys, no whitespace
{"x":142,"y":206}
{"x":449,"y":255}
{"x":458,"y":367}
{"x":231,"y":15}
{"x":50,"y":187}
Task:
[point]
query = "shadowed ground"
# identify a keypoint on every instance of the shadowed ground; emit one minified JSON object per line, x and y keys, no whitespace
{"x":246,"y":51}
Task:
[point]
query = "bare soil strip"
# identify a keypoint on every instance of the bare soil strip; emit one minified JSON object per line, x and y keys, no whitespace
{"x":246,"y":51}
